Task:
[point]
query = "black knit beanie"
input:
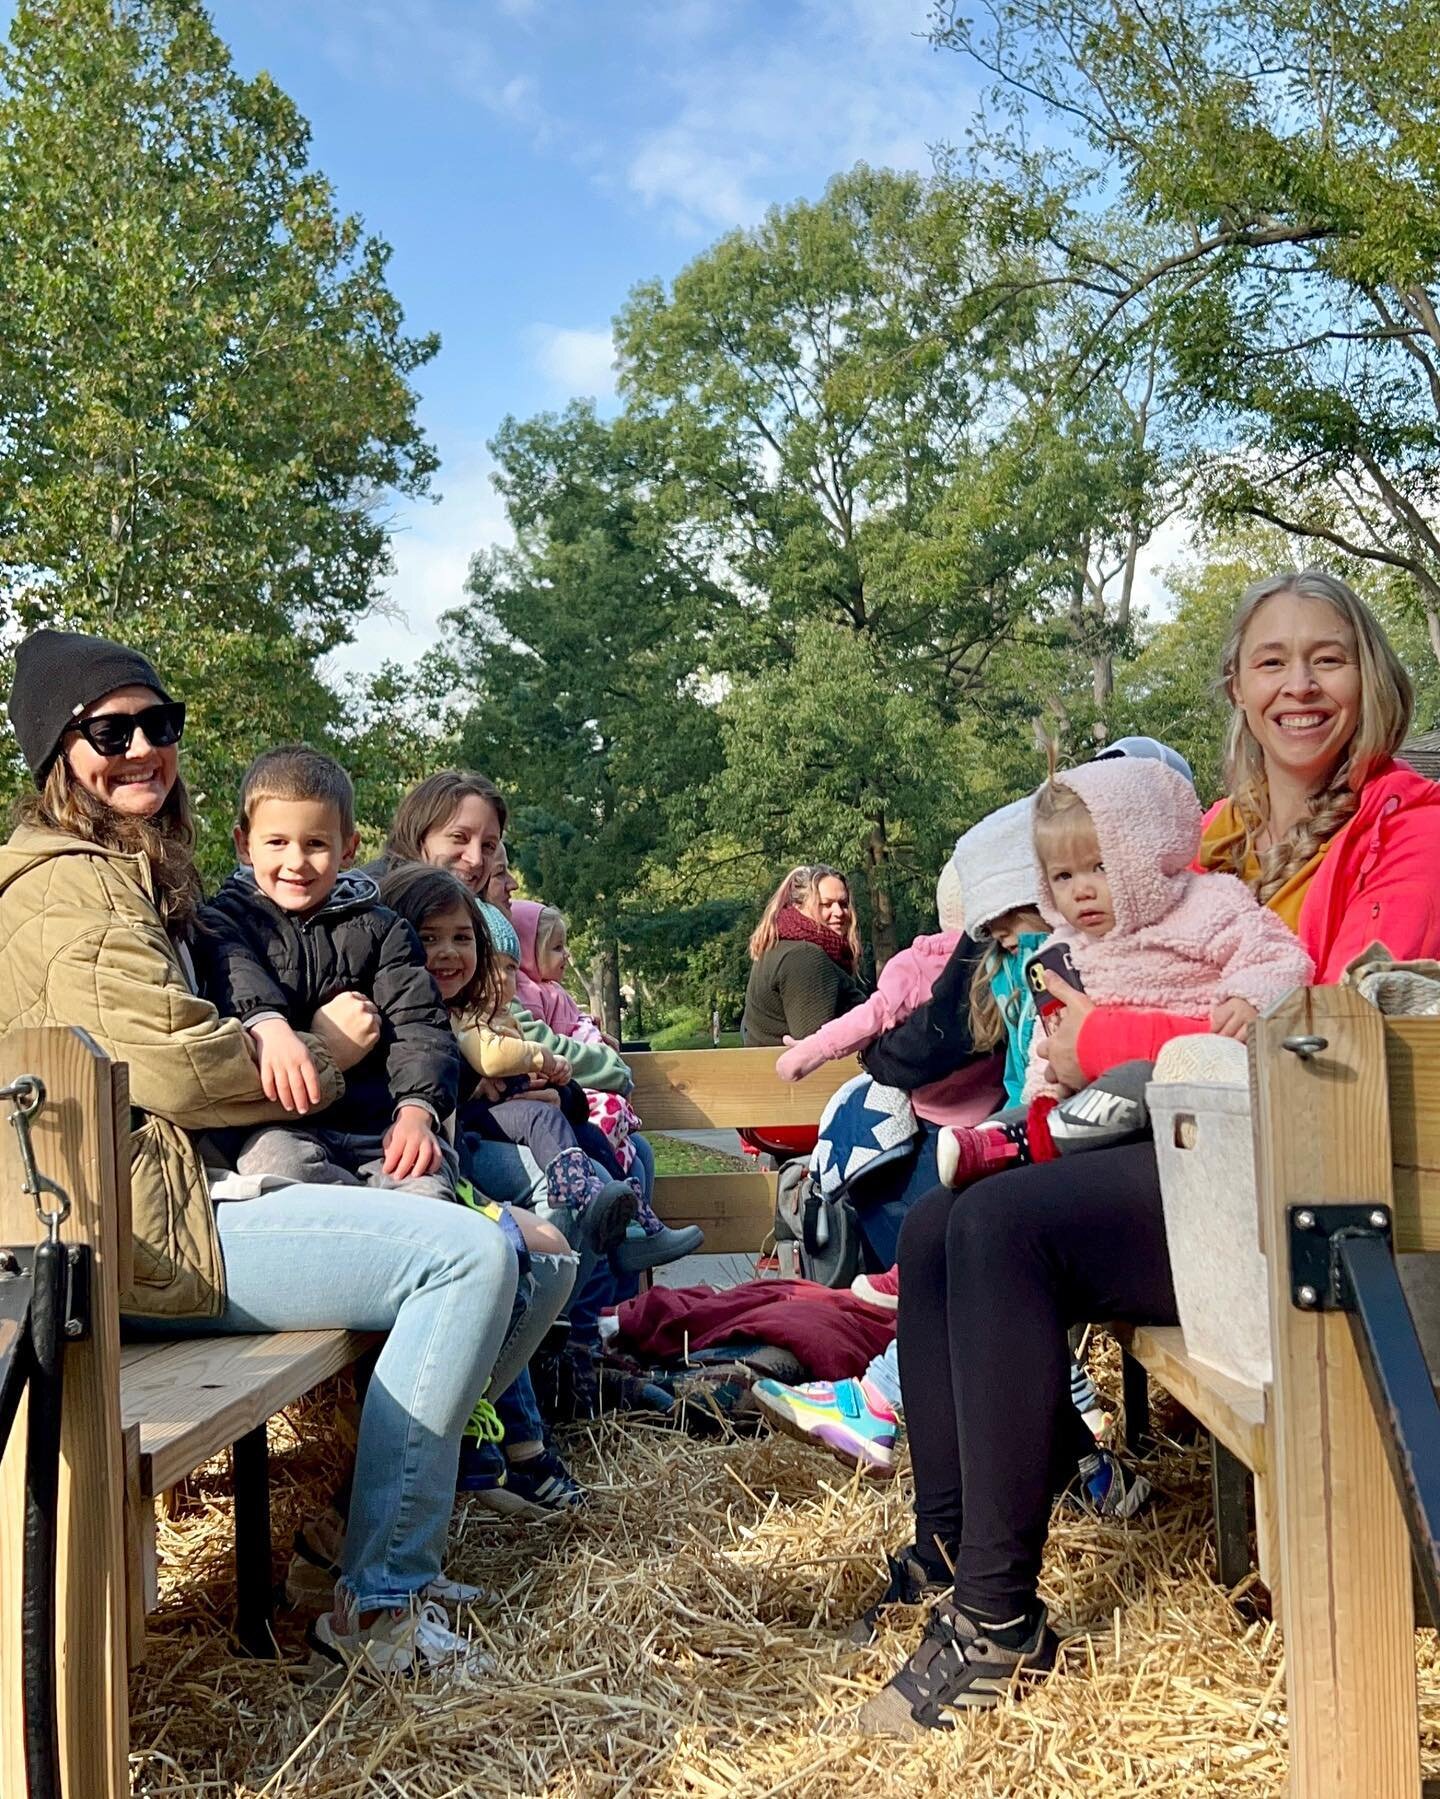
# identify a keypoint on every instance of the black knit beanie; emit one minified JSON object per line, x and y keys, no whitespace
{"x":57,"y":675}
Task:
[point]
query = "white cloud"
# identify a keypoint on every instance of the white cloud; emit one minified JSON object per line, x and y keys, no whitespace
{"x":417,"y":44}
{"x":577,"y":361}
{"x":838,"y":82}
{"x":432,"y":547}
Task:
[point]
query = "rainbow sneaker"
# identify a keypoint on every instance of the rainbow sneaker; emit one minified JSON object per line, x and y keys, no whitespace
{"x":848,"y":1417}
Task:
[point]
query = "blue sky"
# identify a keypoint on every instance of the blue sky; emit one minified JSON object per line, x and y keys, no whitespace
{"x":530,"y":160}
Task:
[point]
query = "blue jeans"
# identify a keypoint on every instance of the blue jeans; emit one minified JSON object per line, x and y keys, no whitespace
{"x":539,"y":1300}
{"x":538,"y":1303}
{"x":441,"y":1280}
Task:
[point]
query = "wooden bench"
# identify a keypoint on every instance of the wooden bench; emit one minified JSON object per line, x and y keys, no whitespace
{"x":182,"y":1403}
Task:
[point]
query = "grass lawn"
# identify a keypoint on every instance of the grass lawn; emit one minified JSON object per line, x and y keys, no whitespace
{"x":674,"y":1156}
{"x":671,"y":1039}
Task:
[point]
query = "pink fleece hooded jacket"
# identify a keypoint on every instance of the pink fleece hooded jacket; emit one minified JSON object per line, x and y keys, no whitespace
{"x":545,"y":999}
{"x":1379,"y":882}
{"x":1181,"y":941}
{"x":968,"y":1095}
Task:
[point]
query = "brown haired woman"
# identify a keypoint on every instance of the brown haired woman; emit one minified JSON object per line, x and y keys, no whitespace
{"x":805,"y":953}
{"x":1342,"y":841}
{"x":454,"y":820}
{"x":97,"y":893}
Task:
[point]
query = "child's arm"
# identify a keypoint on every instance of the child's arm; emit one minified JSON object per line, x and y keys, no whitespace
{"x":499,"y":1054}
{"x":592,"y":1065}
{"x":1258,"y":957}
{"x":237,"y":980}
{"x":841,"y":1036}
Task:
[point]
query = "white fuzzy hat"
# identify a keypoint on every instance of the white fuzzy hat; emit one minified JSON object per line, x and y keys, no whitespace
{"x":950,"y":899}
{"x":995,"y":861}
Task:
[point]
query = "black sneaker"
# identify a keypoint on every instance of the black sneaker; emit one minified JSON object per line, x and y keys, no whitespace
{"x":955,"y":1668}
{"x":911,"y":1582}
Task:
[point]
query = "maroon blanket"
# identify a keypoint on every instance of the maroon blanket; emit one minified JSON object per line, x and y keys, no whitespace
{"x":831,"y":1331}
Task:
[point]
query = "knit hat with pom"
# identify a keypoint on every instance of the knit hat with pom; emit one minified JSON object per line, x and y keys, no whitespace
{"x":996,"y":866}
{"x":949,"y":900}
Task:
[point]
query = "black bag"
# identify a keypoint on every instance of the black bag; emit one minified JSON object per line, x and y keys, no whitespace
{"x":824,"y":1226}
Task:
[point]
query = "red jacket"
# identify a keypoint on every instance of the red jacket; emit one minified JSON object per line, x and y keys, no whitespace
{"x":1378,"y":883}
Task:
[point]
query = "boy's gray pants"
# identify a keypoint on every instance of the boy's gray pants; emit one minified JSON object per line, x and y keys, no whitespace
{"x":338,"y":1159}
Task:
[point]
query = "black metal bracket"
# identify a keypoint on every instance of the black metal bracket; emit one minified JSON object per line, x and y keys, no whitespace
{"x":1318,"y":1281}
{"x":1342,"y":1259}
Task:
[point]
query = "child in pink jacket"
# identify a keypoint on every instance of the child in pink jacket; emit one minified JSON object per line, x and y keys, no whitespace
{"x":905,"y":983}
{"x":1115,"y":841}
{"x":544,"y":957}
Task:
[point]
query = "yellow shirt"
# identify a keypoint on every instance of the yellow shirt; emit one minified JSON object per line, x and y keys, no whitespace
{"x":1219,"y":845}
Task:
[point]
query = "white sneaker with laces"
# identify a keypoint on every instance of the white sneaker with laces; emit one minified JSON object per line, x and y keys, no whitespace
{"x":416,"y":1639}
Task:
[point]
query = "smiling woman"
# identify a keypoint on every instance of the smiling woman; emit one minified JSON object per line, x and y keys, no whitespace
{"x":1341,"y":841}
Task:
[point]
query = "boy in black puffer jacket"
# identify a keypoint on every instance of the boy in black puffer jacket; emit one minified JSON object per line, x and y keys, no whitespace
{"x":290,"y":930}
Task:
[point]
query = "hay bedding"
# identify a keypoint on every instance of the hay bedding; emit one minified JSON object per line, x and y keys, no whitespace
{"x":686,"y":1639}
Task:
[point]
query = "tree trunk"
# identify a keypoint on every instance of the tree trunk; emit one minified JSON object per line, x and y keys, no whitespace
{"x":607,"y":969}
{"x":1432,"y":629}
{"x":882,"y":904}
{"x":1103,"y":679}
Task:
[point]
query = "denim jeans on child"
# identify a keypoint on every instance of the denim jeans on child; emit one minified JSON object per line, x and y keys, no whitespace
{"x":440,"y":1279}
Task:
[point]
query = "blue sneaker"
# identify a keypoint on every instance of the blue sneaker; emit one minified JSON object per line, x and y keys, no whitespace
{"x":545,"y":1482}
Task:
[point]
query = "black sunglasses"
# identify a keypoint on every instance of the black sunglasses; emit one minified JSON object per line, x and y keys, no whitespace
{"x":112,"y":733}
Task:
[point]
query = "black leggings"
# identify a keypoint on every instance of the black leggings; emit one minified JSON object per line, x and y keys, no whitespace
{"x":993,"y":1277}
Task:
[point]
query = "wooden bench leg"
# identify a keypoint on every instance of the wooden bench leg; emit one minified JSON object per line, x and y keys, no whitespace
{"x":1135,"y":1398}
{"x":1230,"y":1491}
{"x":254,"y":1576}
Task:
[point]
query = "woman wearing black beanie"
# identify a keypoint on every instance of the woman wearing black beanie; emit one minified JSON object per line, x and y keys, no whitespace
{"x":97,"y":891}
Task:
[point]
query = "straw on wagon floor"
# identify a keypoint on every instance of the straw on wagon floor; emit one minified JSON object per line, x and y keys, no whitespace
{"x":686,"y":1636}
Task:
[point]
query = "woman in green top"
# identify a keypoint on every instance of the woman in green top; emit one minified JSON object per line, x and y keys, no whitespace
{"x":805,"y":955}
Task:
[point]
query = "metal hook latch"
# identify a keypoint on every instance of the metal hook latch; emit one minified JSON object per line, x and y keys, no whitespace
{"x":26,"y":1094}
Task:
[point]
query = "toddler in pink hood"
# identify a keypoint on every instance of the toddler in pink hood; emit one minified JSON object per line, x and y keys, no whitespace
{"x":905,"y":983}
{"x":1115,"y":841}
{"x":544,"y":957}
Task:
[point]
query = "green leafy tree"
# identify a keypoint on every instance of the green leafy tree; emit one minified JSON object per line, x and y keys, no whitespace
{"x":1284,"y":160}
{"x":576,"y":665}
{"x":205,"y":392}
{"x":847,"y":406}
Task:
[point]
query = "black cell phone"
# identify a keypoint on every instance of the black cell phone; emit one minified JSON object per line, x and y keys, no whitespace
{"x":1051,"y":958}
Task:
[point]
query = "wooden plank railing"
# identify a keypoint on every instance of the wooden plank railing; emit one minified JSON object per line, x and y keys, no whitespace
{"x":716,"y":1089}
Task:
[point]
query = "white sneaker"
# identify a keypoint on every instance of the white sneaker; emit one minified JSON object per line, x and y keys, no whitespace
{"x":315,"y":1567}
{"x":417,"y":1639}
{"x":458,"y":1592}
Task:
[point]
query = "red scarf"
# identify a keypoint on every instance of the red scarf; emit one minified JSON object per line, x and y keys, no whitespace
{"x":793,"y":926}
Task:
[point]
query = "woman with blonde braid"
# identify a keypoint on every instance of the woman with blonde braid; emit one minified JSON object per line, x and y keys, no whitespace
{"x":1342,"y":842}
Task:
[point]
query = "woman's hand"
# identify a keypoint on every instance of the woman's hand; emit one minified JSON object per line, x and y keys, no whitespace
{"x":1232,"y":1018}
{"x":797,"y":1061}
{"x":1061,"y":1044}
{"x":349,"y":1027}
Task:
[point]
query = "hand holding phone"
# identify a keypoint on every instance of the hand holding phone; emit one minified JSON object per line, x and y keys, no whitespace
{"x":1051,"y":958}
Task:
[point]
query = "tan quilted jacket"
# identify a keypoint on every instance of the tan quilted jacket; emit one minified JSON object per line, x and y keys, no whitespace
{"x":81,"y":943}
